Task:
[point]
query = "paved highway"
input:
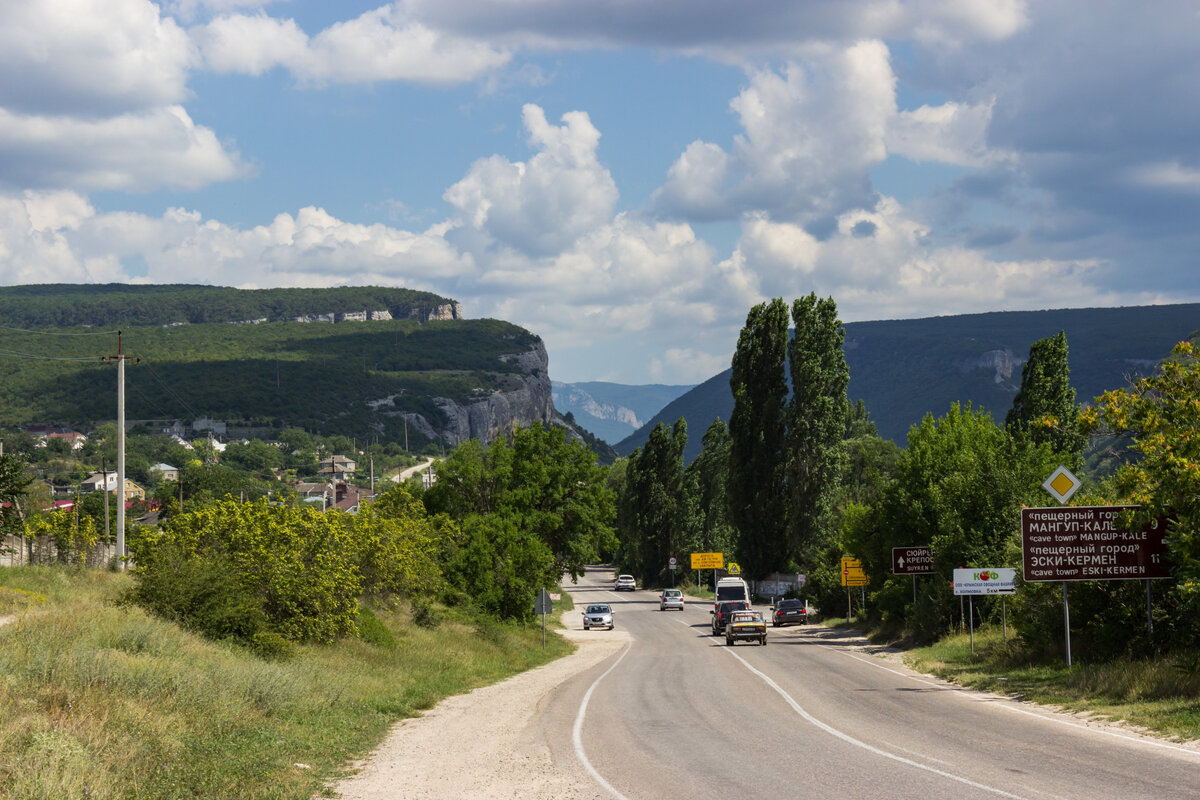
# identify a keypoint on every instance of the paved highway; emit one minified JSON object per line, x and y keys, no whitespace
{"x":677,"y":714}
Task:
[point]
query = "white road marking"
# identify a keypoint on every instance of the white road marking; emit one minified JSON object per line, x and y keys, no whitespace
{"x":1007,"y":706}
{"x":859,"y":743}
{"x":577,"y":731}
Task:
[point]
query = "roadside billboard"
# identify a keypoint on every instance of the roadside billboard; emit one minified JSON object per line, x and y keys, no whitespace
{"x":990,"y":580}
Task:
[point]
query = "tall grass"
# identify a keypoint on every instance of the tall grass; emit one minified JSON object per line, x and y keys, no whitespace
{"x":1159,"y":694}
{"x":100,"y":700}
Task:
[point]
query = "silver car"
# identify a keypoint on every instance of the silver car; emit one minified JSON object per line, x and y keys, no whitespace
{"x":625,"y":583}
{"x":598,"y":615}
{"x":670,"y":598}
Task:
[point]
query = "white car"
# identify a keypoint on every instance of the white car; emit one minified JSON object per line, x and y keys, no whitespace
{"x":625,"y":583}
{"x":670,"y":598}
{"x":598,"y":615}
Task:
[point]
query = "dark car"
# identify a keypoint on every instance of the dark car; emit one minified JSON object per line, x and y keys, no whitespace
{"x":789,"y":612}
{"x":720,"y":616}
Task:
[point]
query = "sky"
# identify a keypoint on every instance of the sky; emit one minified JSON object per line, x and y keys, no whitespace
{"x":624,"y":178}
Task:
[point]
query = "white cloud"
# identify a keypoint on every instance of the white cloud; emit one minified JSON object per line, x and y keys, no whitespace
{"x":545,"y":204}
{"x":81,"y":58}
{"x":135,"y":151}
{"x":1166,"y":176}
{"x":952,"y":133}
{"x":380,"y":45}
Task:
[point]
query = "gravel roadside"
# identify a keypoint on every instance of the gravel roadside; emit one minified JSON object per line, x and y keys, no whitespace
{"x":483,"y":744}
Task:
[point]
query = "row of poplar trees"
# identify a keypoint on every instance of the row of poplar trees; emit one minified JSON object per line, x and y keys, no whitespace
{"x":762,"y":489}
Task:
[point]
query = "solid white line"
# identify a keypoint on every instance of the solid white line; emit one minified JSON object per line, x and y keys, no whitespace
{"x":859,"y":743}
{"x":577,"y":731}
{"x":978,"y":697}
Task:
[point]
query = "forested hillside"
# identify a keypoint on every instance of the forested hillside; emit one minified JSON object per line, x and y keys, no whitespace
{"x":66,"y":305}
{"x":359,"y":379}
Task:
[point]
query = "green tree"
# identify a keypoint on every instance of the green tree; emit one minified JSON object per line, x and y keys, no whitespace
{"x":757,"y":430}
{"x":958,"y":489}
{"x":653,"y":522}
{"x":1163,"y":414}
{"x":706,"y":479}
{"x":1044,"y":410}
{"x":15,"y":479}
{"x":816,"y":429}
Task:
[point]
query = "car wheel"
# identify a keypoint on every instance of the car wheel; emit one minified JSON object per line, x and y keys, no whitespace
{"x":729,"y":641}
{"x":763,"y":640}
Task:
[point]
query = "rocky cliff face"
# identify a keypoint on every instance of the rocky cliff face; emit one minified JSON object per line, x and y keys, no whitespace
{"x":526,"y":401}
{"x":501,"y":411}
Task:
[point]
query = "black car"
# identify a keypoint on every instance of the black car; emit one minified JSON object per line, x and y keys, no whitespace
{"x":789,"y":612}
{"x":720,"y":615}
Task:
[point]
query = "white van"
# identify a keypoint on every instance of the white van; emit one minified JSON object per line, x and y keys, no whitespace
{"x":731,"y":589}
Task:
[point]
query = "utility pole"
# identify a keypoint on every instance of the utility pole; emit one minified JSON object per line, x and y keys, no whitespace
{"x":120,"y":359}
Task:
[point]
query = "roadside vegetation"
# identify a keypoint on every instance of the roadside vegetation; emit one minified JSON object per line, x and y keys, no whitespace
{"x":100,"y":699}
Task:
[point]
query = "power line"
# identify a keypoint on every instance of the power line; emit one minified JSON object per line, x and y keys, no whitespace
{"x":35,"y":357}
{"x":56,"y":333}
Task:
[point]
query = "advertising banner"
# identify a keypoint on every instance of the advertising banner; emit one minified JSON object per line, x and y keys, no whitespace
{"x":991,"y":580}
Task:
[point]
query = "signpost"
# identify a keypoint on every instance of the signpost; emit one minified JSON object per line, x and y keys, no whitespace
{"x":972,"y":582}
{"x":713,"y":561}
{"x":853,"y":575}
{"x":543,"y":605}
{"x":912,"y":561}
{"x":1083,"y":543}
{"x":671,"y":565}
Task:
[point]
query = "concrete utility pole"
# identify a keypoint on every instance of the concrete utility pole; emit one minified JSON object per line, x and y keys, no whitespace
{"x":120,"y":359}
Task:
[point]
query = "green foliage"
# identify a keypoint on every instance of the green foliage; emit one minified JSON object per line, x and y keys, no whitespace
{"x":1044,"y":410}
{"x":1162,"y":413}
{"x":14,"y":483}
{"x":202,"y":592}
{"x":653,"y":505}
{"x":502,"y":566}
{"x":73,"y":535}
{"x":298,"y":563}
{"x":816,"y":424}
{"x":705,"y":481}
{"x":757,"y":429}
{"x":958,"y":489}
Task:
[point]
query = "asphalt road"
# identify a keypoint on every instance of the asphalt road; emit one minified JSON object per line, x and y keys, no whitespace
{"x":677,"y":714}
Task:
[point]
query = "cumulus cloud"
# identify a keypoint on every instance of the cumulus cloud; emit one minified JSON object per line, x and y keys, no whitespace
{"x":120,"y":56}
{"x":139,"y":151}
{"x":383,"y":44}
{"x":543,"y":205}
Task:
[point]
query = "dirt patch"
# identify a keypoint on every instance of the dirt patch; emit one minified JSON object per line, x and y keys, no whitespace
{"x":484,"y":744}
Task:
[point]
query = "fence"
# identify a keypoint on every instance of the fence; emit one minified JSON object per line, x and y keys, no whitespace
{"x":19,"y":551}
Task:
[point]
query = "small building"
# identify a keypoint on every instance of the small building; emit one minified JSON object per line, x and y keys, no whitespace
{"x":133,"y":492}
{"x":100,"y":482}
{"x":165,"y":472}
{"x":339,"y":468}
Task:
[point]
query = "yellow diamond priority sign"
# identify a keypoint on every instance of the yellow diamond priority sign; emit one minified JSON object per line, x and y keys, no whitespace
{"x":1062,"y":484}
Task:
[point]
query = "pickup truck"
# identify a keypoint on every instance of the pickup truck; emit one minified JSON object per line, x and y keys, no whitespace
{"x":746,"y":625}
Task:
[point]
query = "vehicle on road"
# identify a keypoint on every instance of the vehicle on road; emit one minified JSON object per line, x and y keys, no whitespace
{"x":731,"y":589}
{"x":789,"y":612}
{"x":598,"y":615}
{"x":625,"y":583}
{"x":720,"y":617}
{"x":670,"y":598}
{"x":746,"y":625}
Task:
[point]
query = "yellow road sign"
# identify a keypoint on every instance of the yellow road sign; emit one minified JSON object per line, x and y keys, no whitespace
{"x":708,"y":560}
{"x":852,"y":573}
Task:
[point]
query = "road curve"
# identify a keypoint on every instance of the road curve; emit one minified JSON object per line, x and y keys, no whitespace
{"x":678,"y":714}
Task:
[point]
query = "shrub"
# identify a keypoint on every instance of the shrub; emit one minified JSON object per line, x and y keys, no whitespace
{"x":200,"y":592}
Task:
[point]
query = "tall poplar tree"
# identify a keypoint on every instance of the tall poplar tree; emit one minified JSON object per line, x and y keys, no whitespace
{"x":757,"y":430}
{"x":652,"y":518}
{"x":1044,"y":410}
{"x":816,"y":422}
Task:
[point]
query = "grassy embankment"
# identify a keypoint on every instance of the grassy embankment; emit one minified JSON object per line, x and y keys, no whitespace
{"x":1161,"y":695}
{"x":99,"y":700}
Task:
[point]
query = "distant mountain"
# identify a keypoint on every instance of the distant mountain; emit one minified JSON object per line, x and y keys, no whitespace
{"x":612,"y":411}
{"x":904,"y":369}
